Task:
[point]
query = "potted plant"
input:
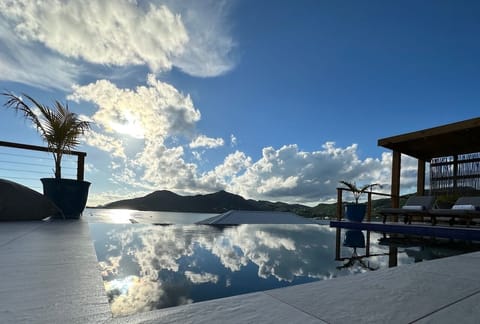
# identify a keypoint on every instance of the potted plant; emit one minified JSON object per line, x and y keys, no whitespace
{"x":355,"y":212}
{"x":61,"y":129}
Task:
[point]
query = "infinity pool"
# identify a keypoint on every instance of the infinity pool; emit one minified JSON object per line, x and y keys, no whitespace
{"x":146,"y":267}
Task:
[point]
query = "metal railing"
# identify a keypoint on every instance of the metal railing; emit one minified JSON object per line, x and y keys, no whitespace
{"x":369,"y":202}
{"x":25,"y":167}
{"x":392,"y":261}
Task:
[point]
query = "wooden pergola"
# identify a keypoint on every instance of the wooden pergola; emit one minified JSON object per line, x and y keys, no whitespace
{"x":442,"y":146}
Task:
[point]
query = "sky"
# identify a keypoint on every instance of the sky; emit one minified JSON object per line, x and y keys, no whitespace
{"x":272,"y":100}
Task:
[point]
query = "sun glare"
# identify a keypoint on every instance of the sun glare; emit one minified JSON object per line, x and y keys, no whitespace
{"x":131,"y":126}
{"x":120,"y":216}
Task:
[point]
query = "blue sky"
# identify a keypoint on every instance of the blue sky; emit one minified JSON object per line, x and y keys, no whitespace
{"x":274,"y":100}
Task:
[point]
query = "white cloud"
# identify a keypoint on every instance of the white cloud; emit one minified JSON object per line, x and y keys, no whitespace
{"x":112,"y":32}
{"x":277,"y":183}
{"x":153,"y":111}
{"x":275,"y":242}
{"x":165,"y":167}
{"x":233,"y":164}
{"x":209,"y":48}
{"x":233,"y":140}
{"x":24,"y":62}
{"x":205,"y":141}
{"x":90,"y":168}
{"x":199,"y":278}
{"x":110,"y":266}
{"x":289,"y":174}
{"x":221,"y":176}
{"x":139,"y":295}
{"x":197,"y":155}
{"x":191,"y":35}
{"x":106,"y":143}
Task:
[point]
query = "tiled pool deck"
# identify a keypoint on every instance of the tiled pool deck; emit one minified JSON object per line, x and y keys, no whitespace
{"x":50,"y":274}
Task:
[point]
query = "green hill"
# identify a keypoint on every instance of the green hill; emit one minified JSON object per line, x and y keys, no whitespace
{"x":217,"y":202}
{"x":223,"y":201}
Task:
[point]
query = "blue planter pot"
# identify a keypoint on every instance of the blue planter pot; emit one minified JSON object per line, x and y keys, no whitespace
{"x":69,"y":195}
{"x":355,"y":212}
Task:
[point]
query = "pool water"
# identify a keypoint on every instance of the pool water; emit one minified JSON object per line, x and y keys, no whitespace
{"x":147,"y":267}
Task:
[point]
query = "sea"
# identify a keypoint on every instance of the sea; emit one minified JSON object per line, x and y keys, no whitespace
{"x":128,"y":216}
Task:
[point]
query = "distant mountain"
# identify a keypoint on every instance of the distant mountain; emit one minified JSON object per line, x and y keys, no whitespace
{"x":217,"y":202}
{"x":223,"y":201}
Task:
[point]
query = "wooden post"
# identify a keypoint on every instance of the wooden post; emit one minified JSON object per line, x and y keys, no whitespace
{"x":395,"y":191}
{"x":339,"y":203}
{"x":81,"y":167}
{"x":369,"y":206}
{"x":392,"y":256}
{"x":421,"y":177}
{"x":338,"y":239}
{"x":367,"y":246}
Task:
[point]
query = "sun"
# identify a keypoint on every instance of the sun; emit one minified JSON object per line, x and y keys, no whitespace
{"x":130,"y":125}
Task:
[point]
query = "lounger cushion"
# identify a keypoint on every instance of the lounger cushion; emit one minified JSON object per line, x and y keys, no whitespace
{"x":414,"y":207}
{"x":472,"y":200}
{"x":464,"y":207}
{"x":19,"y":203}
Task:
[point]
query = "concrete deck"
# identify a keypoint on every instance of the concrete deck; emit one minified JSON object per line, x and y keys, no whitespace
{"x":50,"y":275}
{"x":420,"y":229}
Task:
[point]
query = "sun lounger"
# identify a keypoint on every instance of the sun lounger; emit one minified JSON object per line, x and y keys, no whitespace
{"x":465,"y":207}
{"x":414,"y":206}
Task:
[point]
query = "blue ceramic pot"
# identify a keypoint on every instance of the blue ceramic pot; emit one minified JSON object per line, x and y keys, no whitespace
{"x":69,"y":195}
{"x":355,"y":212}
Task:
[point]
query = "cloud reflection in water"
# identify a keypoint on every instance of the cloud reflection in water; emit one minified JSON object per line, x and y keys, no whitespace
{"x":147,"y":267}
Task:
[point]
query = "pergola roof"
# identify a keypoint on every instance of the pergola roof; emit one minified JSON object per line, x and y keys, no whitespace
{"x":447,"y":140}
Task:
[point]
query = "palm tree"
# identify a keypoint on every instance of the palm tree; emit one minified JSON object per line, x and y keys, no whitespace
{"x":357,"y":192}
{"x":58,"y":126}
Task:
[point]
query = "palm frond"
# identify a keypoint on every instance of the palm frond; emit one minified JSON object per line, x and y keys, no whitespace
{"x":357,"y":192}
{"x":58,"y":126}
{"x":16,"y":103}
{"x":350,"y":185}
{"x":368,"y":186}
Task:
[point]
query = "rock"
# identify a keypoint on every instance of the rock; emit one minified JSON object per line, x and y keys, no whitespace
{"x":19,"y":203}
